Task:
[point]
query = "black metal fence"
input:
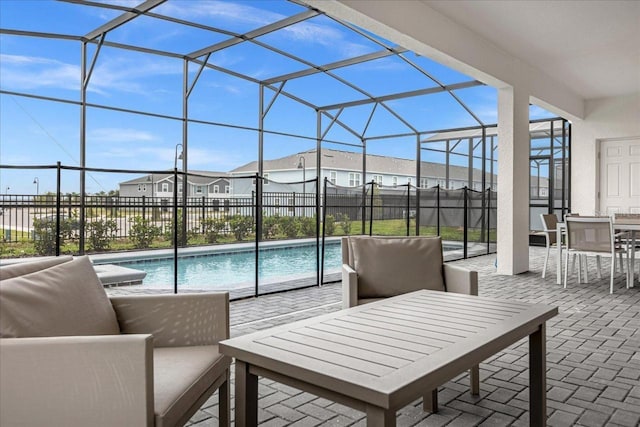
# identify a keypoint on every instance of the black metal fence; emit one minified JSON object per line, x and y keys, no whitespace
{"x":111,"y":222}
{"x":51,"y":224}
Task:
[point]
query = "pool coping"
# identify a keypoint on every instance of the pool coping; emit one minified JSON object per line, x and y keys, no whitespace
{"x":201,"y":250}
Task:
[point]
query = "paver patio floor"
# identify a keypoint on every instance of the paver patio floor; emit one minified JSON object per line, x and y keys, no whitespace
{"x":593,"y":357}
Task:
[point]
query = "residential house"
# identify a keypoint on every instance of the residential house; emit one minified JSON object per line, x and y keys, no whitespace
{"x":344,"y":168}
{"x":199,"y":184}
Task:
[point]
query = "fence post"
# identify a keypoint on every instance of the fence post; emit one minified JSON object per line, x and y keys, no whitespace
{"x":204,"y":213}
{"x":58,"y":207}
{"x":258,"y":222}
{"x":408,"y":208}
{"x":294,"y":203}
{"x":364,"y":208}
{"x":466,"y":223}
{"x":319,"y":257}
{"x":175,"y":230}
{"x":488,"y":220}
{"x":324,"y":223}
{"x":438,"y":209}
{"x":371,"y":209}
{"x":144,"y":207}
{"x":253,"y":202}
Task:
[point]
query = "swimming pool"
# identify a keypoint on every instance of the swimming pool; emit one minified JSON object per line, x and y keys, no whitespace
{"x":232,"y":269}
{"x":236,"y":269}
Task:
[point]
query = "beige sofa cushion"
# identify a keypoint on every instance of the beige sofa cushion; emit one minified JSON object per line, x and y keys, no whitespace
{"x":393,"y":266}
{"x":180,"y":376}
{"x":66,"y":299}
{"x":21,"y":268}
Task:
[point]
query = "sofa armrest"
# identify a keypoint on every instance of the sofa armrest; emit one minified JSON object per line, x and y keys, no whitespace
{"x":175,"y":320}
{"x":104,"y":380}
{"x":349,"y":287}
{"x":460,"y":280}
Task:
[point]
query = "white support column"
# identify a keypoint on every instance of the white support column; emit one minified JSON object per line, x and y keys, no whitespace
{"x":513,"y":181}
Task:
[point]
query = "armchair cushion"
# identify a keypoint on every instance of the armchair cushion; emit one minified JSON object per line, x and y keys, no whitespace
{"x":66,"y":299}
{"x":181,"y":375}
{"x":392,"y":266}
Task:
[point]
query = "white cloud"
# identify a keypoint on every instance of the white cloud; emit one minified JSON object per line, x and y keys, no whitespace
{"x":326,"y":36}
{"x":154,"y":157}
{"x":229,"y":88}
{"x":30,"y":72}
{"x":304,"y":32}
{"x":112,"y":74}
{"x":119,"y":135}
{"x":127,"y":75}
{"x":218,"y":9}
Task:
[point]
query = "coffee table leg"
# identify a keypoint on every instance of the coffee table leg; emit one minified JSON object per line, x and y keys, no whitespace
{"x":430,"y":401}
{"x":380,"y":417}
{"x":538,"y":377}
{"x":246,"y":396}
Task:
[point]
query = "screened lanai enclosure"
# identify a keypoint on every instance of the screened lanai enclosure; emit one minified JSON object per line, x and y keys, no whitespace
{"x":233,"y":142}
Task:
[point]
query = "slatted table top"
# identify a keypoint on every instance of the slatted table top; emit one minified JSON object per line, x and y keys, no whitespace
{"x":385,"y":352}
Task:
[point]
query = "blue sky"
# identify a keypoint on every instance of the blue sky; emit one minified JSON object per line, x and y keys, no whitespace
{"x":37,"y":132}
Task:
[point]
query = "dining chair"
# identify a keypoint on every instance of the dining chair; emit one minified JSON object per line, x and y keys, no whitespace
{"x":550,"y":223}
{"x":594,"y":236}
{"x":627,"y":217}
{"x":582,"y":259}
{"x":633,"y":239}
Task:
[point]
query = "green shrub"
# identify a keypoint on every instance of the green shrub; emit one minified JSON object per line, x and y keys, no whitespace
{"x":213,"y":227}
{"x":270,"y":226}
{"x":168,"y":234}
{"x":329,"y":225}
{"x":44,"y":232}
{"x":142,"y":232}
{"x":241,"y":226}
{"x":100,"y":233}
{"x":345,"y":223}
{"x":290,"y":226}
{"x":307,"y":226}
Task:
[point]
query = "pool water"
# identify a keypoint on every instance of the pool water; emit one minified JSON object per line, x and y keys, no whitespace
{"x":235,"y":270}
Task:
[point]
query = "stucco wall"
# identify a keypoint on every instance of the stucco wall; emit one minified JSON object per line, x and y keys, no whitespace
{"x":606,"y":118}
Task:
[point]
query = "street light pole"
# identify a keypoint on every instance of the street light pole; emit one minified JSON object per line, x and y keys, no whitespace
{"x":176,"y":156}
{"x":302,"y":164}
{"x":36,"y":181}
{"x":182,"y":240}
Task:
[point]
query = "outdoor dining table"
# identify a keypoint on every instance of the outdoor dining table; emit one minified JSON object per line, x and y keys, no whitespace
{"x":622,"y":224}
{"x":381,"y":356}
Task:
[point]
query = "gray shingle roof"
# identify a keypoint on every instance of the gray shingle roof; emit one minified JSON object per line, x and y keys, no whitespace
{"x":200,"y":177}
{"x":346,"y":160}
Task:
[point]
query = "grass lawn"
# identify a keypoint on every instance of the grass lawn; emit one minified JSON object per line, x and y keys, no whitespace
{"x":24,"y":246}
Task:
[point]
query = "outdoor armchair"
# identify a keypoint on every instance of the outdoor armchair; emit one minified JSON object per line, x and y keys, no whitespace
{"x":382,"y":267}
{"x":71,"y":356}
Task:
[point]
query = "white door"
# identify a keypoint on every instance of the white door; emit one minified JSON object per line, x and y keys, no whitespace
{"x":620,"y":176}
